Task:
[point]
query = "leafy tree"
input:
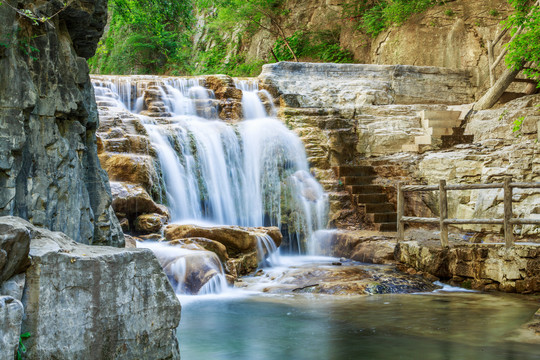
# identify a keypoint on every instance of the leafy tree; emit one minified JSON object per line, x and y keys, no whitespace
{"x":525,"y":47}
{"x":151,"y":36}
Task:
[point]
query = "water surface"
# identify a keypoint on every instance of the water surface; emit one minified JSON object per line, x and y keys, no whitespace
{"x":422,"y":326}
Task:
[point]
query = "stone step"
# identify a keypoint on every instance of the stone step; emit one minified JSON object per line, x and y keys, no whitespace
{"x":422,"y":140}
{"x":382,"y":217}
{"x":357,"y":180}
{"x":427,"y":123}
{"x":370,"y":198}
{"x":438,"y":132}
{"x":379,"y":208}
{"x":363,"y":189}
{"x":386,"y":227}
{"x":347,"y":170}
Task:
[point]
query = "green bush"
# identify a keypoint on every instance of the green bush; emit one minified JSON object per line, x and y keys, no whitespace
{"x":321,"y":45}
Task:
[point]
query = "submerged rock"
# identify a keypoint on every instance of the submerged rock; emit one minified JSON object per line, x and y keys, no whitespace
{"x":93,"y":302}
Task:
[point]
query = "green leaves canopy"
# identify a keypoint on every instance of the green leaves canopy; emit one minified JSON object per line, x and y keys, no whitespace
{"x":526,"y":46}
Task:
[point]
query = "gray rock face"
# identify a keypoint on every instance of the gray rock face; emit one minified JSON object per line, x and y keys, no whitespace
{"x":49,"y":170}
{"x":11,"y":313}
{"x":353,"y":85}
{"x":94,"y":302}
{"x":14,"y":248}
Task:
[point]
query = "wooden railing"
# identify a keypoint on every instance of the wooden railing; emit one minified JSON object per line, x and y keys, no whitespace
{"x":508,"y":221}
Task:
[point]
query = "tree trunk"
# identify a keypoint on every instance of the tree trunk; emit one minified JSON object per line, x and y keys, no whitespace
{"x":495,"y":92}
{"x":274,"y":54}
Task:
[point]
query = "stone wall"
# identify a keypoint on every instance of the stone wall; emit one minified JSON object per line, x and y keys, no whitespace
{"x":49,"y":170}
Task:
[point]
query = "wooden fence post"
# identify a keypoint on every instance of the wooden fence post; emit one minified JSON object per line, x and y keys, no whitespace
{"x":443,"y":207}
{"x":400,"y":212}
{"x":508,"y":227}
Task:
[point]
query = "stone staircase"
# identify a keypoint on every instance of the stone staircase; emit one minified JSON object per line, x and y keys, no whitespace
{"x":369,"y":199}
{"x":442,"y":130}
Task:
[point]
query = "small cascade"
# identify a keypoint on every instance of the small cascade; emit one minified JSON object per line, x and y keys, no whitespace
{"x":250,"y":173}
{"x":267,"y":251}
{"x":191,"y":272}
{"x":251,"y":103}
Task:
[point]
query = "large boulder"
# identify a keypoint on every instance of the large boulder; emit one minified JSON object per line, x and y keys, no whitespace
{"x":93,"y":302}
{"x":11,"y":314}
{"x":14,"y":248}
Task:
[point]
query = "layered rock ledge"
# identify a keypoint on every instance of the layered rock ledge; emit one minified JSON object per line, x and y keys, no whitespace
{"x":476,"y":266}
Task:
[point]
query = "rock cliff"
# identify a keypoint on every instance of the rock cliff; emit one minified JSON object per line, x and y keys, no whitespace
{"x":49,"y":170}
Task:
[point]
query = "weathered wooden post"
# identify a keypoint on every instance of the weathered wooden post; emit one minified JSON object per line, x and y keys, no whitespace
{"x":400,"y":212}
{"x":508,"y":227}
{"x":443,"y":205}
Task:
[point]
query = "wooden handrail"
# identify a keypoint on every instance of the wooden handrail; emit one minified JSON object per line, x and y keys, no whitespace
{"x":508,"y":220}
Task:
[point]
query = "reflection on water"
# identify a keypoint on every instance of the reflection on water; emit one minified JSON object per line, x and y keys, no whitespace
{"x":427,"y":326}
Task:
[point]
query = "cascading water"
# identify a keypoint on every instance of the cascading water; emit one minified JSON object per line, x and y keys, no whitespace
{"x":191,"y":272}
{"x":252,"y":173}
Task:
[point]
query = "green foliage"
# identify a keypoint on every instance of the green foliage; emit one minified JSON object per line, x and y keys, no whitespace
{"x":146,"y":36}
{"x":494,"y":12}
{"x":516,"y":128}
{"x":375,"y":16}
{"x":526,"y":46}
{"x":321,"y":45}
{"x":22,"y":349}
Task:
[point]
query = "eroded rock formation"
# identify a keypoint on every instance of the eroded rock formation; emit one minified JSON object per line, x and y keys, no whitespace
{"x":49,"y":170}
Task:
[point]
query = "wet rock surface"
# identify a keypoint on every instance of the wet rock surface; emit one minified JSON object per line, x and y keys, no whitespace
{"x":237,"y":247}
{"x":237,"y":239}
{"x":49,"y":170}
{"x":336,"y":278}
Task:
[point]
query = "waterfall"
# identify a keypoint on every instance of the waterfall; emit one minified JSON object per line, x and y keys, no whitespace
{"x":250,"y":173}
{"x":191,"y":272}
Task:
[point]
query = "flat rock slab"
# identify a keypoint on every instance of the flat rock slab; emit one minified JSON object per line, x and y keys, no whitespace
{"x":336,"y":278}
{"x":94,"y":302}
